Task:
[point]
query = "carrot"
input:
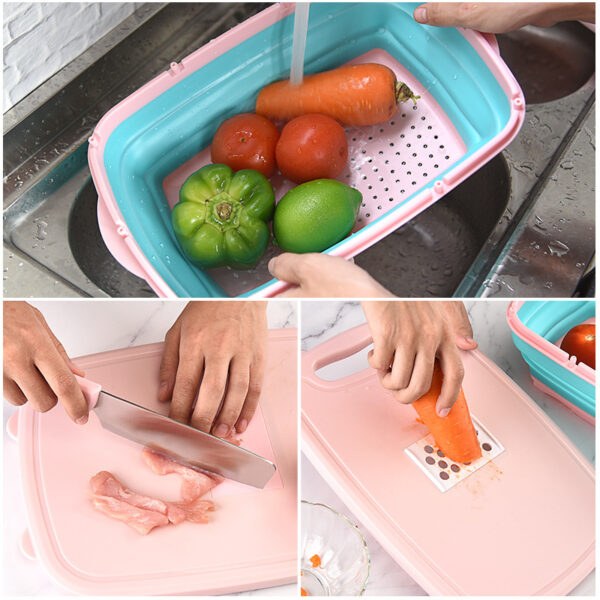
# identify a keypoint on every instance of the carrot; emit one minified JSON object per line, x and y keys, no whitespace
{"x":315,"y":560}
{"x":303,"y":592}
{"x":454,"y":434}
{"x":355,"y":95}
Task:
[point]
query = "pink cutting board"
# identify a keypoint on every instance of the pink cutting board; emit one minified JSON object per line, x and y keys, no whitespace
{"x":252,"y":539}
{"x":523,"y":524}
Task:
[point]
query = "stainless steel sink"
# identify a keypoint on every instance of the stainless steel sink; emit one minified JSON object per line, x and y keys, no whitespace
{"x":549,"y":63}
{"x":496,"y":234}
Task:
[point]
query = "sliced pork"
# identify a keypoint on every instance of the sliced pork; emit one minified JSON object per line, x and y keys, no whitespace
{"x":194,"y":484}
{"x":140,"y":519}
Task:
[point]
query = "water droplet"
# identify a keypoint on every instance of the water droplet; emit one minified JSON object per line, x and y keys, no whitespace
{"x":558,"y":248}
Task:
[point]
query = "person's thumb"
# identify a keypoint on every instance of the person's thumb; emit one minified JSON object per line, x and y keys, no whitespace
{"x":459,"y":322}
{"x":286,"y":267}
{"x":445,"y":14}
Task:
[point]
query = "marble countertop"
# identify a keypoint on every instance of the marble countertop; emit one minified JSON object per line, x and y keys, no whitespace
{"x":85,"y":328}
{"x":322,"y":320}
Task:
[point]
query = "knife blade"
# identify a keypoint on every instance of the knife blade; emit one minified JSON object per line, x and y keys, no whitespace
{"x":177,"y":440}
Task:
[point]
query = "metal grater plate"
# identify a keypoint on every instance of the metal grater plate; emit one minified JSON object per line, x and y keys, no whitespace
{"x":445,"y":473}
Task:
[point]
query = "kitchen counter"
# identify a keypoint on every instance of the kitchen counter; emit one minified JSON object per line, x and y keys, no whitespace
{"x":108,"y":325}
{"x":323,"y":320}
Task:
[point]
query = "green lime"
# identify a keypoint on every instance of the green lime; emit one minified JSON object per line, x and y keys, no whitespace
{"x":315,"y":215}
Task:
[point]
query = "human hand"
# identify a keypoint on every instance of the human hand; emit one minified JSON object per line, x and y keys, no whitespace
{"x":408,"y":336}
{"x":324,"y":276}
{"x":215,"y":351}
{"x":37,"y":368}
{"x":501,"y":17}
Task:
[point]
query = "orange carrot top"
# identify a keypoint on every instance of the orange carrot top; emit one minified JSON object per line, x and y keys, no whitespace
{"x":454,"y":434}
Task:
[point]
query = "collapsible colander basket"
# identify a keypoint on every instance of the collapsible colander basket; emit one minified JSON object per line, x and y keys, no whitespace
{"x":538,"y":328}
{"x":471,"y":107}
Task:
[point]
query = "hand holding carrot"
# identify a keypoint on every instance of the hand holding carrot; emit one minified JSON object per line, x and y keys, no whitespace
{"x":408,"y":337}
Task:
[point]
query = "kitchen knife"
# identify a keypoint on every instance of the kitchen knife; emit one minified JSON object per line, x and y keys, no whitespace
{"x":179,"y":441}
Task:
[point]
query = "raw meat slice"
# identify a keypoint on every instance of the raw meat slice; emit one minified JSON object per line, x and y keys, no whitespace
{"x":196,"y":512}
{"x":194,"y":483}
{"x":140,"y":519}
{"x":106,"y":484}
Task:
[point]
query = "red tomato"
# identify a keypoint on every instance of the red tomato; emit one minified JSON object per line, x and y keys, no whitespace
{"x":312,"y":147}
{"x":246,"y":141}
{"x":581,"y":342}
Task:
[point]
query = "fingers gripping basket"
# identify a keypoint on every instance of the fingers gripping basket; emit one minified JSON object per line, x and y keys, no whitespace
{"x":143,"y":149}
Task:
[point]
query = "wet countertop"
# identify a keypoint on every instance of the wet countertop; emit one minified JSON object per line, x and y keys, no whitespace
{"x":321,"y":321}
{"x":109,"y":326}
{"x":522,"y":226}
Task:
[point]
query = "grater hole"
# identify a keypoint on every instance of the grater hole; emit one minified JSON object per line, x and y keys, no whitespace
{"x":425,"y":146}
{"x":429,"y":460}
{"x":381,"y":179}
{"x":392,"y":123}
{"x":414,"y":154}
{"x":428,"y":449}
{"x":370,"y":137}
{"x":412,"y":126}
{"x":403,"y":163}
{"x":391,"y":144}
{"x":455,"y":468}
{"x":441,"y":146}
{"x":440,"y":454}
{"x":370,"y":160}
{"x":443,"y":464}
{"x":424,"y":174}
{"x":354,"y":139}
{"x":401,"y":136}
{"x":435,"y":137}
{"x":414,"y":107}
{"x":447,"y":157}
{"x":386,"y":189}
{"x":392,"y":171}
{"x":387,"y":162}
{"x":408,"y":145}
{"x":431,"y":156}
{"x":444,"y":475}
{"x":370,"y":187}
{"x":381,"y":131}
{"x":352,"y":159}
{"x":364,"y":177}
{"x":379,"y":208}
{"x":422,"y":118}
{"x":487,"y":447}
{"x":428,"y":126}
{"x":375,"y":169}
{"x":397,"y":153}
{"x":419,"y":136}
{"x":436,"y":166}
{"x":402,"y":191}
{"x":403,"y":115}
{"x":364,"y":151}
{"x":409,"y":172}
{"x":368,"y":215}
{"x":420,"y":164}
{"x":414,"y":183}
{"x":363,"y":204}
{"x":391,"y":199}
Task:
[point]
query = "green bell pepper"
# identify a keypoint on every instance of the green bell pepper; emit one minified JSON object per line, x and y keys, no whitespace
{"x":221,"y":217}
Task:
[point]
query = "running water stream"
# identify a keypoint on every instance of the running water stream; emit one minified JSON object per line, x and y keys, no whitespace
{"x":299,"y":42}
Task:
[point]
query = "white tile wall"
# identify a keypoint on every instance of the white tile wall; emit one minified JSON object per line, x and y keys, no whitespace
{"x":39,"y":38}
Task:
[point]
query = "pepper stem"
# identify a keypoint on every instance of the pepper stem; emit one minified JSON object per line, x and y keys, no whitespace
{"x":224,"y":210}
{"x":404,"y":93}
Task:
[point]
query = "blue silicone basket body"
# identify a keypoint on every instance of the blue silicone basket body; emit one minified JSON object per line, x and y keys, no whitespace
{"x":551,"y":320}
{"x":166,"y":132}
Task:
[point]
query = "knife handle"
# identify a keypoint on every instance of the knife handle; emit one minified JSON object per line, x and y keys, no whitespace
{"x":90,"y":390}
